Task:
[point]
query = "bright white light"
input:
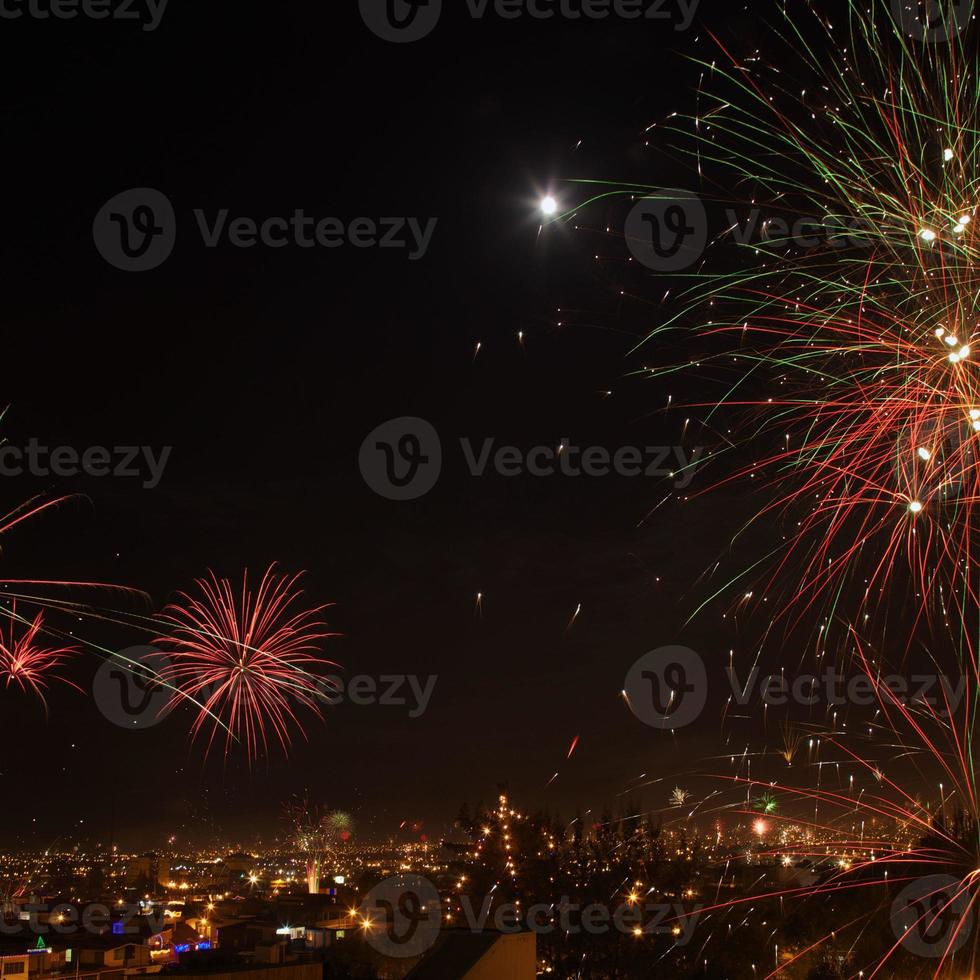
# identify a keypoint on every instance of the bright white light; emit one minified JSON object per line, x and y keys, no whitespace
{"x":927,"y":235}
{"x":947,"y":154}
{"x":964,"y":352}
{"x":915,"y":507}
{"x":549,"y":206}
{"x":924,"y":454}
{"x":964,"y":220}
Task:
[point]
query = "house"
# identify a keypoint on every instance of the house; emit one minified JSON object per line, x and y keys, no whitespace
{"x":463,"y":955}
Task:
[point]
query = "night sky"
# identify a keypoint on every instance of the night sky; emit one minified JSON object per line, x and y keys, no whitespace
{"x":265,"y":370}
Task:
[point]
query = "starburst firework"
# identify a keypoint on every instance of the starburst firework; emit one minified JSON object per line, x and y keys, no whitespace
{"x":247,"y":659}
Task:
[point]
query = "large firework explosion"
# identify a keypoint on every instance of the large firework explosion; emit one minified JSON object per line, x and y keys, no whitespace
{"x":845,"y":334}
{"x":245,"y":658}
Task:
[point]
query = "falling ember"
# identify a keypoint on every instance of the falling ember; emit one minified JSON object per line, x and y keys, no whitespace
{"x":574,"y":746}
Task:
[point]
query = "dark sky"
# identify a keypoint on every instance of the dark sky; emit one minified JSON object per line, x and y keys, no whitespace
{"x":265,"y":369}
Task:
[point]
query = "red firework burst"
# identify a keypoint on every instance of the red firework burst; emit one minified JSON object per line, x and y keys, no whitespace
{"x":245,"y":659}
{"x":27,"y":664}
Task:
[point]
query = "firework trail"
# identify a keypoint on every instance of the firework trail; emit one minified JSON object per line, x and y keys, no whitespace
{"x":848,"y":360}
{"x":27,"y":663}
{"x":245,"y":658}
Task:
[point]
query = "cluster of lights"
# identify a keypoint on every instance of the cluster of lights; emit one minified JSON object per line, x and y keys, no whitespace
{"x":961,"y":353}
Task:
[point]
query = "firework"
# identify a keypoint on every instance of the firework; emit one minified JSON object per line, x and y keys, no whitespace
{"x":848,"y":366}
{"x":316,"y":832}
{"x":26,"y":662}
{"x":679,"y":796}
{"x":246,"y":658}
